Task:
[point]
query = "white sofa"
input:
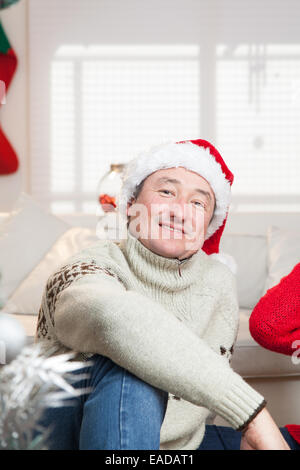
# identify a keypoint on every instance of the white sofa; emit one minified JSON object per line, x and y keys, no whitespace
{"x":245,"y":237}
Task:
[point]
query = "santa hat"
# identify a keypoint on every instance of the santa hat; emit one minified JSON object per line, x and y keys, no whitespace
{"x":199,"y":156}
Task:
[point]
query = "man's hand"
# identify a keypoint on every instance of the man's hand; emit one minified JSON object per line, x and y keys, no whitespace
{"x":263,"y":434}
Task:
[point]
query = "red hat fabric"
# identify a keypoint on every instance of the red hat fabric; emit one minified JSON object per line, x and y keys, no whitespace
{"x":211,"y":245}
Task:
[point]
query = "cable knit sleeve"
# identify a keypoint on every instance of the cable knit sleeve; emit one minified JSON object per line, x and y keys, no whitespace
{"x":96,"y":314}
{"x":275,"y":320}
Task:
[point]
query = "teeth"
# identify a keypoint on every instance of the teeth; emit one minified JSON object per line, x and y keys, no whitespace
{"x":173,"y":229}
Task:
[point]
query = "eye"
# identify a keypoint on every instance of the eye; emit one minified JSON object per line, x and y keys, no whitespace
{"x":201,"y":204}
{"x":165,"y":191}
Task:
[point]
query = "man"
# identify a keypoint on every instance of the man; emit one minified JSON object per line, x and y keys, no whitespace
{"x":159,"y":314}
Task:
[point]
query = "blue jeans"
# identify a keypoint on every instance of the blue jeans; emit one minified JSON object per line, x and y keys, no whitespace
{"x":226,"y":438}
{"x":121,"y":413}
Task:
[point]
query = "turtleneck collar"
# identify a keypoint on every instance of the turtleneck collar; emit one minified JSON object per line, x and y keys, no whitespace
{"x":169,"y":274}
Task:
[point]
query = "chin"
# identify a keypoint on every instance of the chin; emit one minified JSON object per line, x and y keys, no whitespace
{"x":168,"y":248}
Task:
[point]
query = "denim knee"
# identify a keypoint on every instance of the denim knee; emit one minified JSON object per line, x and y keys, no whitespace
{"x":122,"y":411}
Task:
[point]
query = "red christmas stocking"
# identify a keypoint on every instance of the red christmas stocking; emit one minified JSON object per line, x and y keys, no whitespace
{"x":8,"y":62}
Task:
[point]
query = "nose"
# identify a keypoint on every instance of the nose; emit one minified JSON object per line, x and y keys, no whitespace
{"x":180,"y":211}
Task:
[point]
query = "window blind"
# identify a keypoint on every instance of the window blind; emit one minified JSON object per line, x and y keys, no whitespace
{"x":108,"y":78}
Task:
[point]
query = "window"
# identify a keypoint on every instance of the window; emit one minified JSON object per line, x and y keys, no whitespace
{"x":106,"y":102}
{"x":257,"y":120}
{"x":109,"y":78}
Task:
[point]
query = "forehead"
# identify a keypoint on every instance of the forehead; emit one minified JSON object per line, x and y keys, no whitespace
{"x":186,"y":177}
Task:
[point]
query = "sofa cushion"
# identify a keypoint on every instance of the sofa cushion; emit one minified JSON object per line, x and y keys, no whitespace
{"x":252,"y":360}
{"x":26,"y":299}
{"x":250,"y":254}
{"x":25,"y":237}
{"x":283,"y":254}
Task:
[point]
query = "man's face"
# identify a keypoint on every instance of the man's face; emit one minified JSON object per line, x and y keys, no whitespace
{"x":173,"y":197}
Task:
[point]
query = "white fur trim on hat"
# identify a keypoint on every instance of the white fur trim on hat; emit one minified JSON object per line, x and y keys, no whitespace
{"x":187,"y":155}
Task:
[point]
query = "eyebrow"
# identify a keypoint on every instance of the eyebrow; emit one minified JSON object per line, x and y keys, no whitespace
{"x":175,"y":181}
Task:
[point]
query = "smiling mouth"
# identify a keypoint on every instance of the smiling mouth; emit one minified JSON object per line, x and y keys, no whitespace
{"x":171,"y":228}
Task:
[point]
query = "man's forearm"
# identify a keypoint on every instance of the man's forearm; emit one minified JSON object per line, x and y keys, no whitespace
{"x":263,"y":434}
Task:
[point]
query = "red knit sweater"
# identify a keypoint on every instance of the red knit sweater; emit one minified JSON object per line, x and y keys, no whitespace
{"x":275,"y":322}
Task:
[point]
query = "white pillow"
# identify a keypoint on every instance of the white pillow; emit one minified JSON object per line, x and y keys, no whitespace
{"x":283,"y":254}
{"x":25,"y":237}
{"x":250,"y":254}
{"x":27,"y":297}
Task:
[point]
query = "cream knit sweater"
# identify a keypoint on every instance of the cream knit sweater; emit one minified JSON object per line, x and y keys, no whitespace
{"x":171,"y":323}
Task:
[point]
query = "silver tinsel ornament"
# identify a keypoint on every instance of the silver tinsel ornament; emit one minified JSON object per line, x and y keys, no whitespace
{"x":36,"y":379}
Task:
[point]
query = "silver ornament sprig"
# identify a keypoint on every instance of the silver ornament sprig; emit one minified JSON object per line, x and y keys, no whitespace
{"x":38,"y":378}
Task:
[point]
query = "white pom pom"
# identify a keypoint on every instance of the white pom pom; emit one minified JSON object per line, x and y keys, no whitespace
{"x":227,"y":259}
{"x":12,"y":338}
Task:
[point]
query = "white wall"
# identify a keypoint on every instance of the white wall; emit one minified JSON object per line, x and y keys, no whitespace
{"x":14,"y":114}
